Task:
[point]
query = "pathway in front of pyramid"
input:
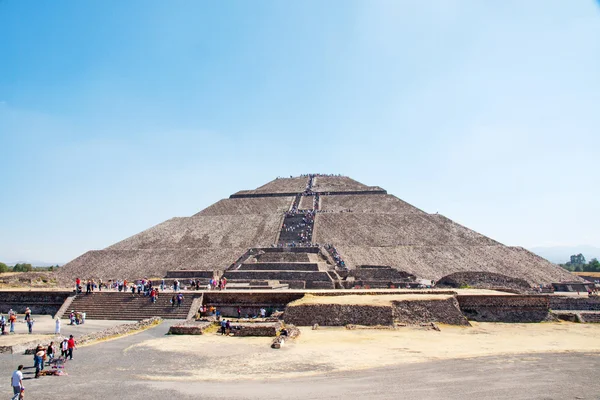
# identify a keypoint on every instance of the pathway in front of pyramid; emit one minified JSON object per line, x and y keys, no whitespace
{"x":297,"y":227}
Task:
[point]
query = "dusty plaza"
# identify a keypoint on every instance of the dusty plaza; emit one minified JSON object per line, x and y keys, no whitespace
{"x":487,"y":360}
{"x":315,"y":286}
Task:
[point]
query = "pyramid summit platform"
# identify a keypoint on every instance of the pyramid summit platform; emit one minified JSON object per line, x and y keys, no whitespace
{"x":316,"y":232}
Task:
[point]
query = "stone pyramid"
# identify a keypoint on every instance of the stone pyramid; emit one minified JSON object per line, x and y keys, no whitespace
{"x":364,"y":224}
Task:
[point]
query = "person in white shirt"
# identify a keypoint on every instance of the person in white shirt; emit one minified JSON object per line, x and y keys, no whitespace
{"x":57,"y":329}
{"x":17,"y":382}
{"x":64,"y":348}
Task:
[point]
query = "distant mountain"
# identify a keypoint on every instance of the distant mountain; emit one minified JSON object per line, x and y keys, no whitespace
{"x":562,"y":254}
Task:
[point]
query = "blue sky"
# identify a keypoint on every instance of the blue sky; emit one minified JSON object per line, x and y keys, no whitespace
{"x":117,"y":115}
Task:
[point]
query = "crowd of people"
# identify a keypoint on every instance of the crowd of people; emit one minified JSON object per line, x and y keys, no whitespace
{"x":46,"y":361}
{"x":302,"y":228}
{"x":11,"y":320}
{"x":213,"y":284}
{"x":339,"y":261}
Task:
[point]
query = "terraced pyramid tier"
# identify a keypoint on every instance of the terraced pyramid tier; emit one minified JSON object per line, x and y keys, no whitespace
{"x":357,"y":224}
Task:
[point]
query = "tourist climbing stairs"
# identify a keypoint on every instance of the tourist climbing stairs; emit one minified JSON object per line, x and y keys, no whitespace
{"x":125,"y":306}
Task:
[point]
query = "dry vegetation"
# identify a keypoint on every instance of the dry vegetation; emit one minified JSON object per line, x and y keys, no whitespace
{"x":592,"y":274}
{"x":27,"y":279}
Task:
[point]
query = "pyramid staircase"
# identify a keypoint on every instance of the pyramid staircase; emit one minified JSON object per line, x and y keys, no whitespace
{"x":124,"y":306}
{"x":297,"y":268}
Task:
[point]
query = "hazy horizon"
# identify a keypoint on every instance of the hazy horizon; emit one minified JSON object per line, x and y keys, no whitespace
{"x":114,"y":119}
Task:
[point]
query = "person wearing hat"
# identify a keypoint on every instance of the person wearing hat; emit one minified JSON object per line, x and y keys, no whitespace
{"x":38,"y":360}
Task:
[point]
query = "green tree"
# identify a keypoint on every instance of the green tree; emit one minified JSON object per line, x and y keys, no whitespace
{"x":22,"y":268}
{"x":3,"y":267}
{"x":577,"y":259}
{"x":593,"y":265}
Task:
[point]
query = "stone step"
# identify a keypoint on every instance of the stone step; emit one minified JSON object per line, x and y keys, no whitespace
{"x":188,"y":274}
{"x":124,"y":306}
{"x":281,"y":266}
{"x":278,"y":275}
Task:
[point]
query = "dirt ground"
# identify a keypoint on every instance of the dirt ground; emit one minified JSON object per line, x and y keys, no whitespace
{"x":550,"y":361}
{"x":43,"y":329}
{"x":213,"y":357}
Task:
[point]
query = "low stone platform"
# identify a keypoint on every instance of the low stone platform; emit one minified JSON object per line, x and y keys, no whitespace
{"x":258,"y":328}
{"x":190,"y":328}
{"x":269,"y":329}
{"x":374,"y":310}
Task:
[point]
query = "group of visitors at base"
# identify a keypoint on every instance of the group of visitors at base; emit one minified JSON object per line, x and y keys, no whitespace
{"x":75,"y":318}
{"x":11,"y":320}
{"x":44,"y":356}
{"x":28,"y":319}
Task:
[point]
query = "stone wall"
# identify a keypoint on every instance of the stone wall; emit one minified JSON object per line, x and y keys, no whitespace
{"x":190,"y":328}
{"x":179,"y":274}
{"x":590,"y":317}
{"x":505,"y":308}
{"x":583,"y":303}
{"x":483,"y":280}
{"x":413,"y":312}
{"x":320,"y":285}
{"x":573,"y":286}
{"x":282,"y":257}
{"x":40,"y":302}
{"x":338,"y":315}
{"x":249,"y":303}
{"x":367,"y":272}
{"x":281,"y":266}
{"x":294,"y":284}
{"x":277,"y":275}
{"x":255,"y":329}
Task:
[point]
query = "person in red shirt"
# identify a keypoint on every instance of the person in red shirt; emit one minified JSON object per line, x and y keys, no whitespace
{"x":70,"y":347}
